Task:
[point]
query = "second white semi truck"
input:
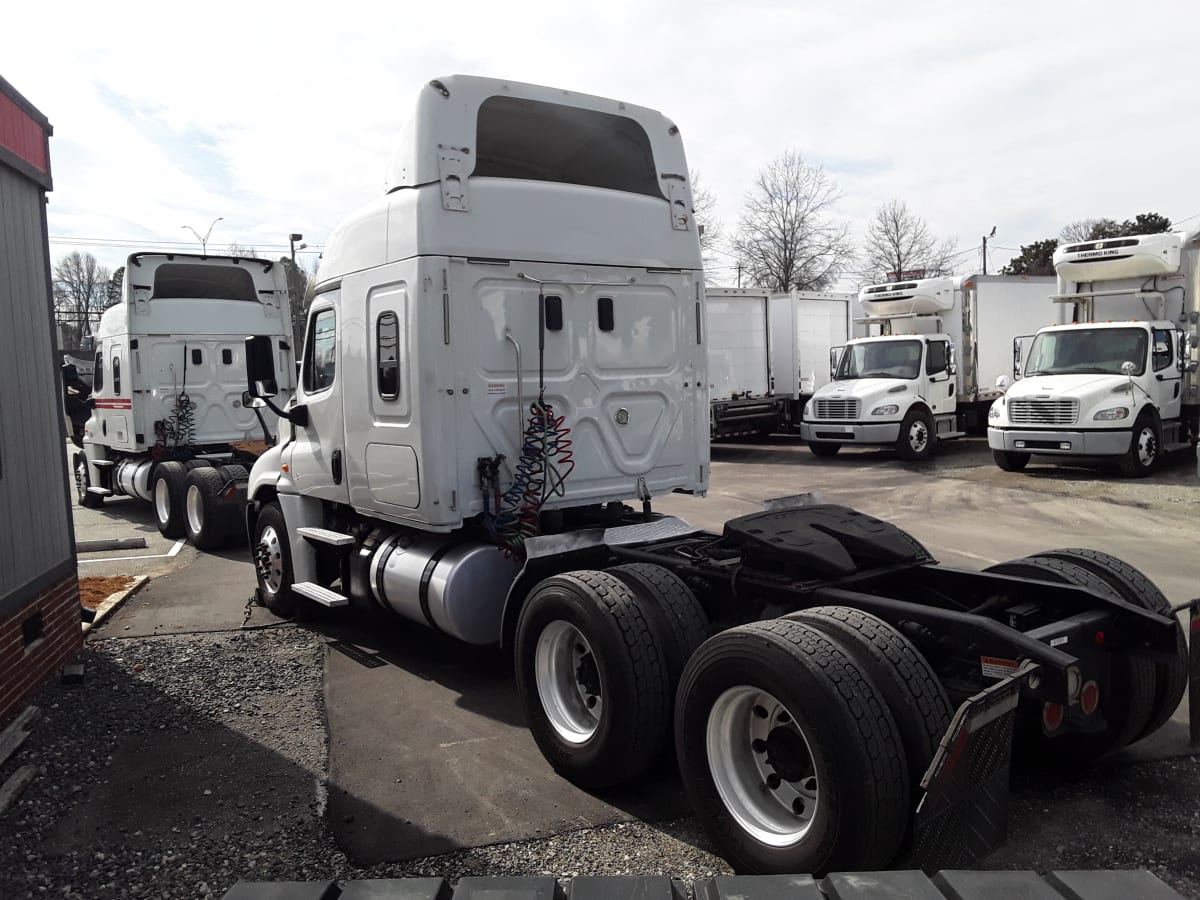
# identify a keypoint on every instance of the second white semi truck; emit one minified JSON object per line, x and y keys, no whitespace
{"x":930,"y":374}
{"x":490,"y":399}
{"x":168,"y":423}
{"x":1120,"y":380}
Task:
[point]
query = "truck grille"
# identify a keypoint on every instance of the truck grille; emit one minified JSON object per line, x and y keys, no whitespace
{"x":1043,"y":412}
{"x":837,"y":409}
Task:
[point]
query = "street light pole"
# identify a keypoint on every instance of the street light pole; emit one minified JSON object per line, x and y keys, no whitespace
{"x":986,"y":237}
{"x":292,"y":238}
{"x":204,"y":240}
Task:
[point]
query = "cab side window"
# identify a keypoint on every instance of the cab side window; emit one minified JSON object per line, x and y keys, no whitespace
{"x":320,"y":362}
{"x":387,"y":356}
{"x":935,"y":358}
{"x":1164,"y":355}
{"x":98,"y":374}
{"x":117,"y":375}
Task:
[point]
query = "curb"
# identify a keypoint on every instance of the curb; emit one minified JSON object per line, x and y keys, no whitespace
{"x":112,"y":601}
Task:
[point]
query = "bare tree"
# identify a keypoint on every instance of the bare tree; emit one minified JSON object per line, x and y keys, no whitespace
{"x":704,"y":211}
{"x":241,"y":251}
{"x":81,"y":291}
{"x":1079,"y":230}
{"x":899,"y":241}
{"x":298,"y":281}
{"x":786,"y":238}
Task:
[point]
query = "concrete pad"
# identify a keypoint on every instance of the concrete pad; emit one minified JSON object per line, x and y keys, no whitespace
{"x":430,"y":753}
{"x":212,"y":593}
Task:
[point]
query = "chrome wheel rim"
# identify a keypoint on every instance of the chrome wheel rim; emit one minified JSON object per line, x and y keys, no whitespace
{"x":81,"y":479}
{"x":162,"y":501}
{"x":918,"y":436}
{"x":195,"y":509}
{"x":268,"y":559}
{"x":1147,"y":446}
{"x":568,"y":682}
{"x":762,"y":766}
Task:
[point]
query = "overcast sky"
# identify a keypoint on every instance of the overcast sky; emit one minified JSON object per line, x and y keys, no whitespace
{"x":282,"y":118}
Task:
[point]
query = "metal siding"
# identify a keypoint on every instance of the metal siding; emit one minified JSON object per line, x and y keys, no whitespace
{"x":34,"y":507}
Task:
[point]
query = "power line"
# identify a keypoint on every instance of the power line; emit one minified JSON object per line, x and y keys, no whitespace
{"x":157,"y":244}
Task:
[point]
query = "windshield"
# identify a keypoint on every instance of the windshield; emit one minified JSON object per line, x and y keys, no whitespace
{"x":880,"y":359}
{"x":1087,"y":351}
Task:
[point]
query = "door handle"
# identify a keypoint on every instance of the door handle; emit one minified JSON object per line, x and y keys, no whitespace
{"x":335,"y":465}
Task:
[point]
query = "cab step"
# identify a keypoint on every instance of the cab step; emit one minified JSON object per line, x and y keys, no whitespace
{"x":325,"y":536}
{"x":100,"y":492}
{"x":319,"y":594}
{"x":103,"y":463}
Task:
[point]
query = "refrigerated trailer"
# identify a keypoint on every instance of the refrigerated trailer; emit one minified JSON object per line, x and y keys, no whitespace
{"x":490,"y":400}
{"x":929,"y":375}
{"x":168,"y":422}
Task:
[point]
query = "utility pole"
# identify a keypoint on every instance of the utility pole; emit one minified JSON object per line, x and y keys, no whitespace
{"x":987,"y":237}
{"x":739,"y":270}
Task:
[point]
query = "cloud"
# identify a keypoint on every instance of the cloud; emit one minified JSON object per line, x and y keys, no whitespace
{"x":282,"y":118}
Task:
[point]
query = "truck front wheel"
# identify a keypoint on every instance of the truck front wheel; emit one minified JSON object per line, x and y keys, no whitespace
{"x":916,"y":436}
{"x":1145,"y":447}
{"x":789,"y":754}
{"x":1009,"y":461}
{"x":83,"y":481}
{"x":824,"y":449}
{"x":273,"y":561}
{"x":592,"y":677}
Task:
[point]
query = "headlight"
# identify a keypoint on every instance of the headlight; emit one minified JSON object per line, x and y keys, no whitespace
{"x":994,"y":410}
{"x":1107,"y":415}
{"x":890,"y":410}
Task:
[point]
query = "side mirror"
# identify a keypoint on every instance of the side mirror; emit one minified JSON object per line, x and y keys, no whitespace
{"x":260,"y":366}
{"x":951,"y":360}
{"x":1016,"y":359}
{"x":1128,"y":368}
{"x":1003,"y":383}
{"x":835,"y":357}
{"x":1188,"y":347}
{"x":251,"y":402}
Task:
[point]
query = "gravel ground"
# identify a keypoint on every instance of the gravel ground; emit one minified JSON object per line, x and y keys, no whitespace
{"x":122,"y":807}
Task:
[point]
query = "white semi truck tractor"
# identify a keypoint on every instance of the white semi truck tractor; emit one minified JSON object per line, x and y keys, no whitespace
{"x":1120,"y":380}
{"x":505,"y":364}
{"x":929,"y":375}
{"x":168,"y":423}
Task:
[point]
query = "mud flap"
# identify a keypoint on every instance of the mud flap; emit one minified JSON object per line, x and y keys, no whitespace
{"x":963,"y":813}
{"x":1194,"y":674}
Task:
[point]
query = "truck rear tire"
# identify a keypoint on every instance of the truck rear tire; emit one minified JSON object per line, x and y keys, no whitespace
{"x":916,"y":436}
{"x":207,"y":513}
{"x":1170,"y":676}
{"x":824,"y":449}
{"x":592,"y":677}
{"x":789,"y":754}
{"x":676,"y":615}
{"x":1126,"y":701}
{"x":83,"y":480}
{"x":1145,"y":447}
{"x":1010,"y":461}
{"x":913,"y":692}
{"x":167,"y":488}
{"x":272,"y":554}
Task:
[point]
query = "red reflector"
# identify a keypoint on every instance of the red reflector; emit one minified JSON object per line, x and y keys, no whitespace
{"x":1052,"y":716}
{"x":230,"y":491}
{"x":1089,"y":698}
{"x":1099,"y":638}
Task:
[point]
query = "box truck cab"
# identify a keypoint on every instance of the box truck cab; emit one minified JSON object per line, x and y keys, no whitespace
{"x":1119,"y":380}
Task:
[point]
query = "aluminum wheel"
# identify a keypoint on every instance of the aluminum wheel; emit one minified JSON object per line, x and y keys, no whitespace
{"x":918,"y":436}
{"x":195,"y":509}
{"x":162,"y":500}
{"x":1147,"y":446}
{"x":762,"y":766}
{"x":81,"y":478}
{"x":568,"y":682}
{"x":268,"y":559}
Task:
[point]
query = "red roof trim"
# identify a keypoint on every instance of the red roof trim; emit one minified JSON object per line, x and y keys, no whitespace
{"x":22,"y":135}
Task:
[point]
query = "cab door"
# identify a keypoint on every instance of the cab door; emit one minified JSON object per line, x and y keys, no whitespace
{"x":1168,"y":379}
{"x":940,"y":391}
{"x":317,"y":463}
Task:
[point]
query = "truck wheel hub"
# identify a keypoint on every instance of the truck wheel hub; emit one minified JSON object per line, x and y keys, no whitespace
{"x":568,"y":682}
{"x":268,"y":559}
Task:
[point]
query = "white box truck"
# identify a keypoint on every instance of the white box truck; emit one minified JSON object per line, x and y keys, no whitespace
{"x":805,"y":327}
{"x":168,"y":424}
{"x":930,"y":374}
{"x":741,"y":377}
{"x":485,"y":385}
{"x":1120,"y":380}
